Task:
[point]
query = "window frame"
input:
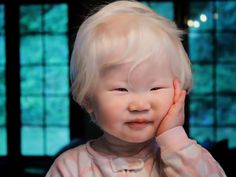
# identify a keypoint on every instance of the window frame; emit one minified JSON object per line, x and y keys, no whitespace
{"x":76,"y":11}
{"x":12,"y":82}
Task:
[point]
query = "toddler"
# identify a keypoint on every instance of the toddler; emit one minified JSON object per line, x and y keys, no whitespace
{"x":131,"y":73}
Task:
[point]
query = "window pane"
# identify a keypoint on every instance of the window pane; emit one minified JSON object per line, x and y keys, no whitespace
{"x":226,"y":110}
{"x":30,"y":18}
{"x":203,"y":51}
{"x":55,"y":13}
{"x":3,"y":131}
{"x":29,"y":145}
{"x":226,"y":15}
{"x":2,"y":80}
{"x":55,"y":49}
{"x":202,"y":135}
{"x":2,"y":21}
{"x":202,"y":79}
{"x":201,"y":111}
{"x":226,"y":43}
{"x":57,"y":80}
{"x":226,"y":78}
{"x":56,"y":139}
{"x":31,"y":49}
{"x":57,"y":112}
{"x":3,"y":138}
{"x":2,"y":48}
{"x":227,"y":134}
{"x":165,"y":9}
{"x":31,"y":80}
{"x":197,"y":11}
{"x":44,"y":77}
{"x":2,"y":111}
{"x":32,"y":110}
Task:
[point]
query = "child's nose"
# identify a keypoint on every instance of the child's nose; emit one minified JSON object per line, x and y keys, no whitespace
{"x":139,"y":104}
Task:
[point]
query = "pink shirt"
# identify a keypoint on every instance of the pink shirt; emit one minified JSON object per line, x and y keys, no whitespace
{"x":182,"y":157}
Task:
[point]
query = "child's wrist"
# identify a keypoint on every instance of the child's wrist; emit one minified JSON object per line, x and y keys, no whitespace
{"x":173,"y":139}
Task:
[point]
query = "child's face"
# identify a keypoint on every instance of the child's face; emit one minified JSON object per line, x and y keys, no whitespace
{"x":132,"y":110}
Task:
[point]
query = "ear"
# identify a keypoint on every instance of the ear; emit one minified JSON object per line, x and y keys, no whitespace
{"x":88,"y":105}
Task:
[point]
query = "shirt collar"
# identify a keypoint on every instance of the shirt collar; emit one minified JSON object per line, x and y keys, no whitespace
{"x":126,"y":164}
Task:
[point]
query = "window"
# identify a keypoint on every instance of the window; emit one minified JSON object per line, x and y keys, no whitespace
{"x":3,"y":133}
{"x":165,"y":9}
{"x":44,"y":99}
{"x":212,"y":41}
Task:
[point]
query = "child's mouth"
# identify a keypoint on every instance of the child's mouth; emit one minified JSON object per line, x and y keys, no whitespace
{"x":139,"y":124}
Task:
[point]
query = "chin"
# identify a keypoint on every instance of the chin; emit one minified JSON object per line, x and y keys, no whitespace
{"x":138,"y":139}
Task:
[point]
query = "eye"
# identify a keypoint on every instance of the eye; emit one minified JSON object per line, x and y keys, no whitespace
{"x":121,"y":89}
{"x":156,"y":88}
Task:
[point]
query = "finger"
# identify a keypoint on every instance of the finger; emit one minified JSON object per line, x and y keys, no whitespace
{"x":182,"y":96}
{"x":179,"y":105}
{"x":181,"y":101}
{"x":177,"y":90}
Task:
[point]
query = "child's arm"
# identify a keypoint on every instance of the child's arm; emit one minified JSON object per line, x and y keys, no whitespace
{"x":181,"y":155}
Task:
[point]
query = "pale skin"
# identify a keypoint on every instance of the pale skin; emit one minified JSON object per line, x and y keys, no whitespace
{"x":175,"y":115}
{"x":120,"y":108}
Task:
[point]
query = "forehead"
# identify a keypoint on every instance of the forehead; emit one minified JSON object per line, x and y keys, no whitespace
{"x":150,"y":69}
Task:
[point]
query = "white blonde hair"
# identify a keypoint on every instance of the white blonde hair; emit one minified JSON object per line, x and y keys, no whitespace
{"x":146,"y":35}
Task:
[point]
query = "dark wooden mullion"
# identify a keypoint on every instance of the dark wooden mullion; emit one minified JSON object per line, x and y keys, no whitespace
{"x":13,"y":87}
{"x":75,"y":18}
{"x":80,"y":124}
{"x":181,"y":11}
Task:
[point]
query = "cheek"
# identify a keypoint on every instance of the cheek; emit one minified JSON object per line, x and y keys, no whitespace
{"x":163,"y":103}
{"x":108,"y":116}
{"x":107,"y":109}
{"x":169,"y":99}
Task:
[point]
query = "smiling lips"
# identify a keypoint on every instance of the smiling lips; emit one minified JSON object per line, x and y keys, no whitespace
{"x":139,"y":123}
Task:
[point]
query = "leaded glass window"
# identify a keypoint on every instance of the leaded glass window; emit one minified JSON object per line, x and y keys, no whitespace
{"x":165,"y":9}
{"x":3,"y":132}
{"x":212,"y":41}
{"x":44,"y":78}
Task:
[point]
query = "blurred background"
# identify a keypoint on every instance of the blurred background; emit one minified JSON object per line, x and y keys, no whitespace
{"x":38,"y":118}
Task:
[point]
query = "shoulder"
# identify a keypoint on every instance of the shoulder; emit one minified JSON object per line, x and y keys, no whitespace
{"x":73,"y":154}
{"x":70,"y":162}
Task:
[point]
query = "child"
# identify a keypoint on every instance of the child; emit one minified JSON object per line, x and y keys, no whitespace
{"x":130,"y":72}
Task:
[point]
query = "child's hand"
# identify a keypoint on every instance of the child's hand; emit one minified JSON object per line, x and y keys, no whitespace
{"x":175,"y":115}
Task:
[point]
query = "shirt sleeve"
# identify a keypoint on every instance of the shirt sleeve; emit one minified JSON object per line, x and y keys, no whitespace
{"x":184,"y":157}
